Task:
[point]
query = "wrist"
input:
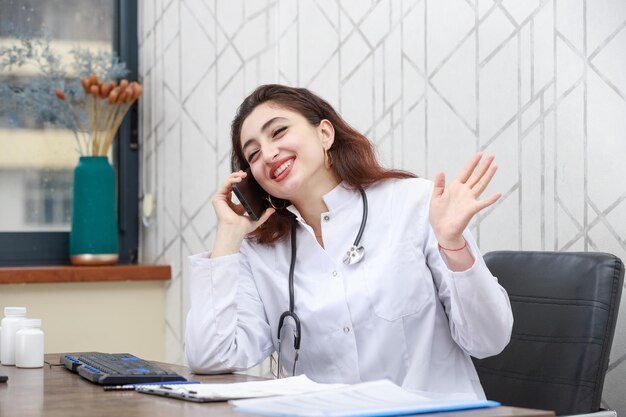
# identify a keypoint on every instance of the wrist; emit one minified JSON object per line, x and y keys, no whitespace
{"x":457,"y":248}
{"x":228,"y":240}
{"x":451,"y":242}
{"x":231,"y":229}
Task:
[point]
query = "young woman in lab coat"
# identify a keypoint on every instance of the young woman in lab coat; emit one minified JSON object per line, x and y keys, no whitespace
{"x":413,"y":310}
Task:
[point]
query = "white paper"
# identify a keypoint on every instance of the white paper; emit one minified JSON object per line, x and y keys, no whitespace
{"x":366,"y":399}
{"x":252,"y":389}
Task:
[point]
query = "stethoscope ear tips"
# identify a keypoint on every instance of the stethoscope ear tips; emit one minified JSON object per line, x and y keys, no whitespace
{"x":354,"y":255}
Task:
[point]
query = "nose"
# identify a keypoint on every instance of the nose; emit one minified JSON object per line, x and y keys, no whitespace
{"x":270,"y":151}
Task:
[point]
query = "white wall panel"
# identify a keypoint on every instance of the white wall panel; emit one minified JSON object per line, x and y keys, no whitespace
{"x":539,"y":83}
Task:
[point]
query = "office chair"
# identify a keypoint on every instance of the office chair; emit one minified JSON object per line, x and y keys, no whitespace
{"x":565,"y":307}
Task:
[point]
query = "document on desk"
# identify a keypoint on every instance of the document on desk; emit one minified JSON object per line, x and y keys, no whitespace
{"x":377,"y":398}
{"x":237,"y":390}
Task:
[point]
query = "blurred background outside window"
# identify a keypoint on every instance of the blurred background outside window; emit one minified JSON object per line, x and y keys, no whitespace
{"x":37,"y":156}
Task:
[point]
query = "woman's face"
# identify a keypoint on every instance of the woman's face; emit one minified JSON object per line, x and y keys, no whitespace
{"x":286,"y":152}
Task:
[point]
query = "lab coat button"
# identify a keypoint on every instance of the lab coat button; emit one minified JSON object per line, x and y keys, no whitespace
{"x":335,"y":273}
{"x":346,"y":329}
{"x":326,"y":218}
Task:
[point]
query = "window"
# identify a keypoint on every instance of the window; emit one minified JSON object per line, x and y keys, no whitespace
{"x":47,"y":199}
{"x":37,"y":157}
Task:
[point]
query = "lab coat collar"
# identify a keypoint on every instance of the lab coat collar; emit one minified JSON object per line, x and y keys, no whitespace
{"x":335,"y":199}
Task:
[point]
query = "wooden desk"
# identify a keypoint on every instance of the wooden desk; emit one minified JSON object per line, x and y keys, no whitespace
{"x":56,"y":392}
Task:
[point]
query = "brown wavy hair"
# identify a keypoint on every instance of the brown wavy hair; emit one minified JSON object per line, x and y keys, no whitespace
{"x":353,"y":156}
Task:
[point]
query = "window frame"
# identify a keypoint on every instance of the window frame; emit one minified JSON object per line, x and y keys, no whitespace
{"x":52,"y":248}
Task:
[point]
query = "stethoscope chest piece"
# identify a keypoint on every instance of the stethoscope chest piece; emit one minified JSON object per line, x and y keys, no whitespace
{"x":356,"y":252}
{"x":354,"y":255}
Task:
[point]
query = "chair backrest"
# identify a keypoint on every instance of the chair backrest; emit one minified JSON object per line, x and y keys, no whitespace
{"x":565,"y":307}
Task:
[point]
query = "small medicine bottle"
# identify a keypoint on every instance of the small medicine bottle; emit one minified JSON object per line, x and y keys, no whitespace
{"x":11,"y":323}
{"x":29,"y":343}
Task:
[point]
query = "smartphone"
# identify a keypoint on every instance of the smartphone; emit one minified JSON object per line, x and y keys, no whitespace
{"x":251,"y":196}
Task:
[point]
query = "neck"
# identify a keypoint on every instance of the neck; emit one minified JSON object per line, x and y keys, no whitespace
{"x":312,"y":205}
{"x":311,"y":211}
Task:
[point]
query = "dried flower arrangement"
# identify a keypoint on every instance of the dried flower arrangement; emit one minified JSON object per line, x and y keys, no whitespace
{"x":93,"y":118}
{"x":106,"y":104}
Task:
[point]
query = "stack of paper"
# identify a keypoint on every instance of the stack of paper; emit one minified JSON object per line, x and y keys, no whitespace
{"x":254,"y":389}
{"x":378,"y":398}
{"x":299,"y":396}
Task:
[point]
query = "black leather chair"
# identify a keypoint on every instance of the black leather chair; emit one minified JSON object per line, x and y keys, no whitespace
{"x":565,"y":307}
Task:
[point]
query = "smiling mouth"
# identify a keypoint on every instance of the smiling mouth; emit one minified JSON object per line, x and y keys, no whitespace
{"x":281,"y":168}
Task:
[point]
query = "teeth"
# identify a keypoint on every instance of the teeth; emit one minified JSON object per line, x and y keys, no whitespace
{"x":281,"y":168}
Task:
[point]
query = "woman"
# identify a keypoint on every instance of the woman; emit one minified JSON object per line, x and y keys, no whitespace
{"x":413,"y":310}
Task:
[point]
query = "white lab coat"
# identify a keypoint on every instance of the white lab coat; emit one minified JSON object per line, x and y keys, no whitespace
{"x":399,"y":314}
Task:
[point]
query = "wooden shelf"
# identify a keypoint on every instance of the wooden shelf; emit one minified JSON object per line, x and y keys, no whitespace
{"x":51,"y":274}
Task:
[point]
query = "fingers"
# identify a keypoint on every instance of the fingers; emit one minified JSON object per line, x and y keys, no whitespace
{"x":488,"y":201}
{"x":485,"y":180}
{"x":440,"y":184}
{"x":225,"y":187}
{"x":223,"y":196}
{"x":469,"y":168}
{"x":477,"y":175}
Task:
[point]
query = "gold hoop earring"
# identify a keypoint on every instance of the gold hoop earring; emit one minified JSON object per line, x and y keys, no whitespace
{"x":328,"y":158}
{"x":269,"y":199}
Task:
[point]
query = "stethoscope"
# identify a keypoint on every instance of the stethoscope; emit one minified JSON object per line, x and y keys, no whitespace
{"x":352,"y":256}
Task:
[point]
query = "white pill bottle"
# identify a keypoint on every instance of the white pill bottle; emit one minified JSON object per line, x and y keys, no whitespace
{"x":29,"y":345}
{"x":11,"y":323}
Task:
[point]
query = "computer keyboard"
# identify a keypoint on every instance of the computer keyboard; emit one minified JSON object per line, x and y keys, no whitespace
{"x":117,"y":369}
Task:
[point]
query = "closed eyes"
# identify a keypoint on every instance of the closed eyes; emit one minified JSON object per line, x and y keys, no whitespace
{"x":279,"y":131}
{"x":252,"y":155}
{"x":275,"y":134}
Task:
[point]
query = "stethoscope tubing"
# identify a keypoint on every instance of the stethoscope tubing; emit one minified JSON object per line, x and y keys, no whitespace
{"x":292,"y":266}
{"x":291,"y":312}
{"x":363,"y":219}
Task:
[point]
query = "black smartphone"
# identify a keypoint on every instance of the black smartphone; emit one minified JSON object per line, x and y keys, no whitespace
{"x":251,"y":196}
{"x":4,"y":378}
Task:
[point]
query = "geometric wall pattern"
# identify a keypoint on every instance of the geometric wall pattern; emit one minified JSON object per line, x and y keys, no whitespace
{"x":541,"y":84}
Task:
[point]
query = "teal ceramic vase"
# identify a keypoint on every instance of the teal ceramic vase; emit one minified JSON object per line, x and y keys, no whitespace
{"x":93,"y":238}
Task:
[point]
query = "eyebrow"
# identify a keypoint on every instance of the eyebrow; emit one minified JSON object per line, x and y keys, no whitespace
{"x":264,"y":127}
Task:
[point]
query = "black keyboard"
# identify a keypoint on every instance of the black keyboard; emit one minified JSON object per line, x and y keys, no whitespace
{"x":117,"y":369}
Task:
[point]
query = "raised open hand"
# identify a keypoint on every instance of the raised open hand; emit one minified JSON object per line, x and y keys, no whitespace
{"x":453,"y":206}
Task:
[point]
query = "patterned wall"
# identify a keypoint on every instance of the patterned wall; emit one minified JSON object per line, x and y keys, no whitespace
{"x":542,"y":84}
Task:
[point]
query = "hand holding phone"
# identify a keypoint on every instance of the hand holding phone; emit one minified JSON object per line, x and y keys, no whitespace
{"x":251,"y":196}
